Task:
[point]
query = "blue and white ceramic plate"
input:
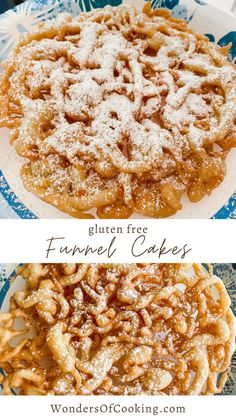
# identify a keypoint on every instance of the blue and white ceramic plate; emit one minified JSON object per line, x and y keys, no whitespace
{"x":15,"y":201}
{"x":227,"y":272}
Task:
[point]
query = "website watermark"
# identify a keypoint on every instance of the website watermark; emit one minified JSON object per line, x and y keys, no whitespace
{"x":117,"y":408}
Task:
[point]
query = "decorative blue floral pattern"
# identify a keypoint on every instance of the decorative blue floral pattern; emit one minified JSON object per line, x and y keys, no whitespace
{"x":23,"y":18}
{"x":168,"y":4}
{"x":229,"y":38}
{"x":13,"y":201}
{"x":201,"y":2}
{"x":180,"y":12}
{"x":87,"y":5}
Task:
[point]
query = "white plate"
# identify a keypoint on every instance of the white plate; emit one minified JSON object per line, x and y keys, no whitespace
{"x":15,"y":200}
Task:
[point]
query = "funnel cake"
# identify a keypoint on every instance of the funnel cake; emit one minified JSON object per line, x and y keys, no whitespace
{"x":117,"y":330}
{"x":120,"y":112}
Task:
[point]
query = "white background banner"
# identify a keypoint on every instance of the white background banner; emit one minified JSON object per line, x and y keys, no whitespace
{"x":118,"y":241}
{"x":166,"y":407}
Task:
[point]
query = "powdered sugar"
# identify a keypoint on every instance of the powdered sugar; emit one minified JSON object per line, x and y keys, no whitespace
{"x":119,"y":96}
{"x":111,"y":103}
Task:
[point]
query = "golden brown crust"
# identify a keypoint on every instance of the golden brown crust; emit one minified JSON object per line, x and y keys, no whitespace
{"x":118,"y":329}
{"x":119,"y":111}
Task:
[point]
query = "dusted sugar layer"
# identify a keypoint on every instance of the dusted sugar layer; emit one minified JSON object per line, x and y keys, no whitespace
{"x":120,"y":112}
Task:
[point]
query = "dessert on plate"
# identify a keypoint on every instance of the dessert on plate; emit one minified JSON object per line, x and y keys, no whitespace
{"x":117,"y":330}
{"x":116,"y":112}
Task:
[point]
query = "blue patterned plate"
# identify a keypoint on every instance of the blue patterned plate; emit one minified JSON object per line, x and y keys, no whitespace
{"x":227,"y":272}
{"x":15,"y":201}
